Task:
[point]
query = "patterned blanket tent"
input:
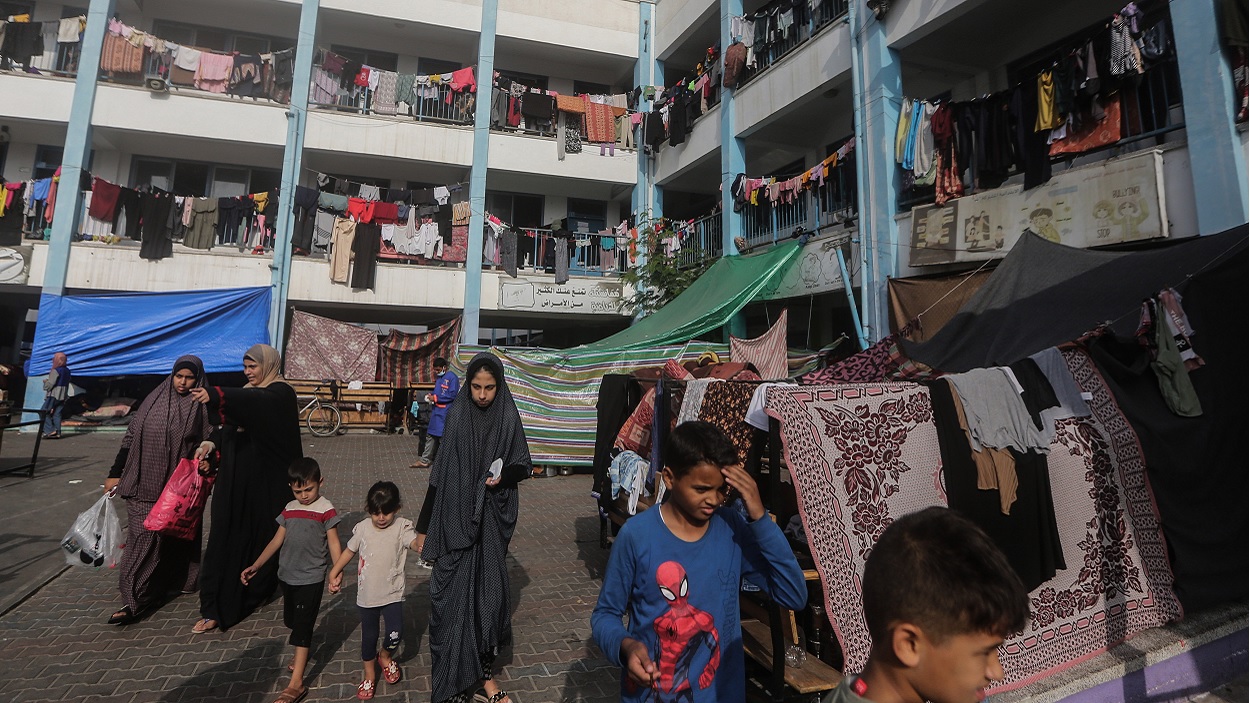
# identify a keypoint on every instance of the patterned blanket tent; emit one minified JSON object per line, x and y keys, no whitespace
{"x":408,"y":359}
{"x":322,"y":348}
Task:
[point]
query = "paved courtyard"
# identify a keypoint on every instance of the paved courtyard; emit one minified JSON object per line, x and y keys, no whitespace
{"x":55,"y":645}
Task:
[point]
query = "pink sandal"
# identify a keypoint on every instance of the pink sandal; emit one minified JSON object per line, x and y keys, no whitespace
{"x":391,"y":673}
{"x":365,"y":690}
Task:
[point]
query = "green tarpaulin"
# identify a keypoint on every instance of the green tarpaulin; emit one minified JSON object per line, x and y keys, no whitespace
{"x":724,"y":289}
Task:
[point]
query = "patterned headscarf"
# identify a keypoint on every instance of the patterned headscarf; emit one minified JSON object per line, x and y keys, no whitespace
{"x":166,"y":427}
{"x":270,"y":363}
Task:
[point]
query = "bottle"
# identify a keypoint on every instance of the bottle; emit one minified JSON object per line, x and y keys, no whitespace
{"x":816,"y":642}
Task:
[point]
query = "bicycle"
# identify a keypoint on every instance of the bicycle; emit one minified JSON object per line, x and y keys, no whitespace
{"x":324,"y":418}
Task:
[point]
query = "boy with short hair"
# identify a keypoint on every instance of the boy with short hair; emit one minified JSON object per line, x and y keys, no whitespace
{"x":677,"y":569}
{"x":939,"y":599}
{"x":309,"y":542}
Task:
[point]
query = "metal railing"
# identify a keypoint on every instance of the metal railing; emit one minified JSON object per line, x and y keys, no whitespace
{"x":432,"y":103}
{"x":536,"y":252}
{"x":814,"y":19}
{"x":1148,"y":112}
{"x":702,"y":241}
{"x":832,"y":203}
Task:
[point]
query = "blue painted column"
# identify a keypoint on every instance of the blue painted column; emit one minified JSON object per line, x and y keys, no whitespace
{"x":878,"y":86}
{"x":76,"y":157}
{"x":644,"y":69}
{"x":477,"y":175}
{"x":654,"y":191}
{"x":77,"y":148}
{"x":733,"y":150}
{"x":1218,"y":162}
{"x":292,"y":164}
{"x":733,"y":160}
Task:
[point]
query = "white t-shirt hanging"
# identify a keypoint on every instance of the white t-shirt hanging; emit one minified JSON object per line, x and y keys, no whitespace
{"x":442,"y":195}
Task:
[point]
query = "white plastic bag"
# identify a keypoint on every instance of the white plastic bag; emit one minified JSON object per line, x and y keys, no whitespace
{"x":96,"y":536}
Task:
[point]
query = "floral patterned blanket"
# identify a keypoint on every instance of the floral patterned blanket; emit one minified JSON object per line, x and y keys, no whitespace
{"x":864,"y":454}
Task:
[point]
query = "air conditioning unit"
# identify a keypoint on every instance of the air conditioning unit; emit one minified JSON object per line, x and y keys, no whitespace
{"x":156,"y":84}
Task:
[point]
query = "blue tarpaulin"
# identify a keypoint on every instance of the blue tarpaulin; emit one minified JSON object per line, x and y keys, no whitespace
{"x":115,"y":334}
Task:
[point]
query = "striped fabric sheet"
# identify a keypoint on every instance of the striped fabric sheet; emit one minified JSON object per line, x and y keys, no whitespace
{"x":556,"y":390}
{"x":767,"y":351}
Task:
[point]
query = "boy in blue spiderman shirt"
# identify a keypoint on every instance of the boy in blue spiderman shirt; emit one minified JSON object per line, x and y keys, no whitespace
{"x":677,"y":569}
{"x":446,"y":386}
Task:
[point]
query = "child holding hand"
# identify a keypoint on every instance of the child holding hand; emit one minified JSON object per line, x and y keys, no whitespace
{"x":308,"y":538}
{"x":382,"y":542}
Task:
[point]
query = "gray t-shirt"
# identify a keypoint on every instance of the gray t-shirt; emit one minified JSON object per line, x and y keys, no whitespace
{"x":305,"y":555}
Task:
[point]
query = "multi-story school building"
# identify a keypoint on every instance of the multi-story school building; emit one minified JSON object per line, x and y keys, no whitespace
{"x":448,"y":144}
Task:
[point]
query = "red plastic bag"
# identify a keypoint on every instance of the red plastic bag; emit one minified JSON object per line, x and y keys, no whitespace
{"x":180,"y":508}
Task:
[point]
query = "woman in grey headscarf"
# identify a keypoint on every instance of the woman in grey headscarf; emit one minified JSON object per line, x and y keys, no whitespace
{"x":471,"y":511}
{"x":258,"y":439}
{"x":168,"y":426}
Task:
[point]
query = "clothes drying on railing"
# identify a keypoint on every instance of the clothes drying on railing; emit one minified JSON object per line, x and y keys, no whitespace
{"x":774,"y":190}
{"x":1074,"y":105}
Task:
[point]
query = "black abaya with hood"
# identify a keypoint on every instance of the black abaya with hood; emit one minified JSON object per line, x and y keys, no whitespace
{"x":470,"y":528}
{"x":258,"y":440}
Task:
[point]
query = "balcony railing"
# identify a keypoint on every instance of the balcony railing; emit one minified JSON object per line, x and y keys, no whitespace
{"x":808,"y":22}
{"x":701,"y":241}
{"x":824,"y":206}
{"x":438,"y":104}
{"x":536,"y":252}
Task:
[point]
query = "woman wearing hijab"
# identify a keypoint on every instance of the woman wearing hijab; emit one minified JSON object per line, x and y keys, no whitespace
{"x":257,"y":440}
{"x":469,"y":515}
{"x":168,"y":426}
{"x":56,"y":388}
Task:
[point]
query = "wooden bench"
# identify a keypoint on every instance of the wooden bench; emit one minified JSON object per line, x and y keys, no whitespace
{"x":358,"y":406}
{"x":758,"y":638}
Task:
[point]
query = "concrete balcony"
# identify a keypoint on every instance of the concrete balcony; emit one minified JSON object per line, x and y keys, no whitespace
{"x":702,"y":143}
{"x":35,"y":98}
{"x":530,"y":164}
{"x":795,"y":79}
{"x":676,"y":21}
{"x":103,"y":267}
{"x":190,"y":114}
{"x":396,"y":138}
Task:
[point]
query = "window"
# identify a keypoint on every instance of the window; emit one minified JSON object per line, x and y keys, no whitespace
{"x":217,"y":39}
{"x":201,"y":179}
{"x":47,"y":161}
{"x":368,"y":57}
{"x":516,"y":209}
{"x":585,"y":87}
{"x":587,"y":216}
{"x":529,"y":80}
{"x":429,"y":67}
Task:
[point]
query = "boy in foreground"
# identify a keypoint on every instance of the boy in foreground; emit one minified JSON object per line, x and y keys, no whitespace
{"x":307,"y":542}
{"x":677,"y":569}
{"x":939,"y":599}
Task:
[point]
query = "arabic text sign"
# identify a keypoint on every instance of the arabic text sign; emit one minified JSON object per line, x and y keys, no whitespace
{"x":576,"y":295}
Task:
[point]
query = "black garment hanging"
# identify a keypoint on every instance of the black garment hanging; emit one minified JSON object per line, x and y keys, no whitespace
{"x":365,"y":248}
{"x":305,"y":214}
{"x":1031,"y":145}
{"x":1029,"y":536}
{"x":157,"y":211}
{"x":128,"y":201}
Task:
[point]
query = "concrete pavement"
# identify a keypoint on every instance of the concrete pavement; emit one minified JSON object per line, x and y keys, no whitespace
{"x":55,"y":645}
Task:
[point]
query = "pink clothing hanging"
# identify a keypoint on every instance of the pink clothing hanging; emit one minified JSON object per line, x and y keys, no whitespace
{"x":213,"y":75}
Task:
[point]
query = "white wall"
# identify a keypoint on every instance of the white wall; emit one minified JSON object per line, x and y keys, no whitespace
{"x":605,"y":26}
{"x":392,"y":138}
{"x":675,"y":20}
{"x":672,"y":161}
{"x":525,"y":154}
{"x":820,"y":61}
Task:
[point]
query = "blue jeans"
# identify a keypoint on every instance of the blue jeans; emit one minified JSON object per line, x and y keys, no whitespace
{"x":52,"y":415}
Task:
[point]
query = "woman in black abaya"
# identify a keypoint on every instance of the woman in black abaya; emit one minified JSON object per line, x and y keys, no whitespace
{"x":258,"y":439}
{"x":471,"y":514}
